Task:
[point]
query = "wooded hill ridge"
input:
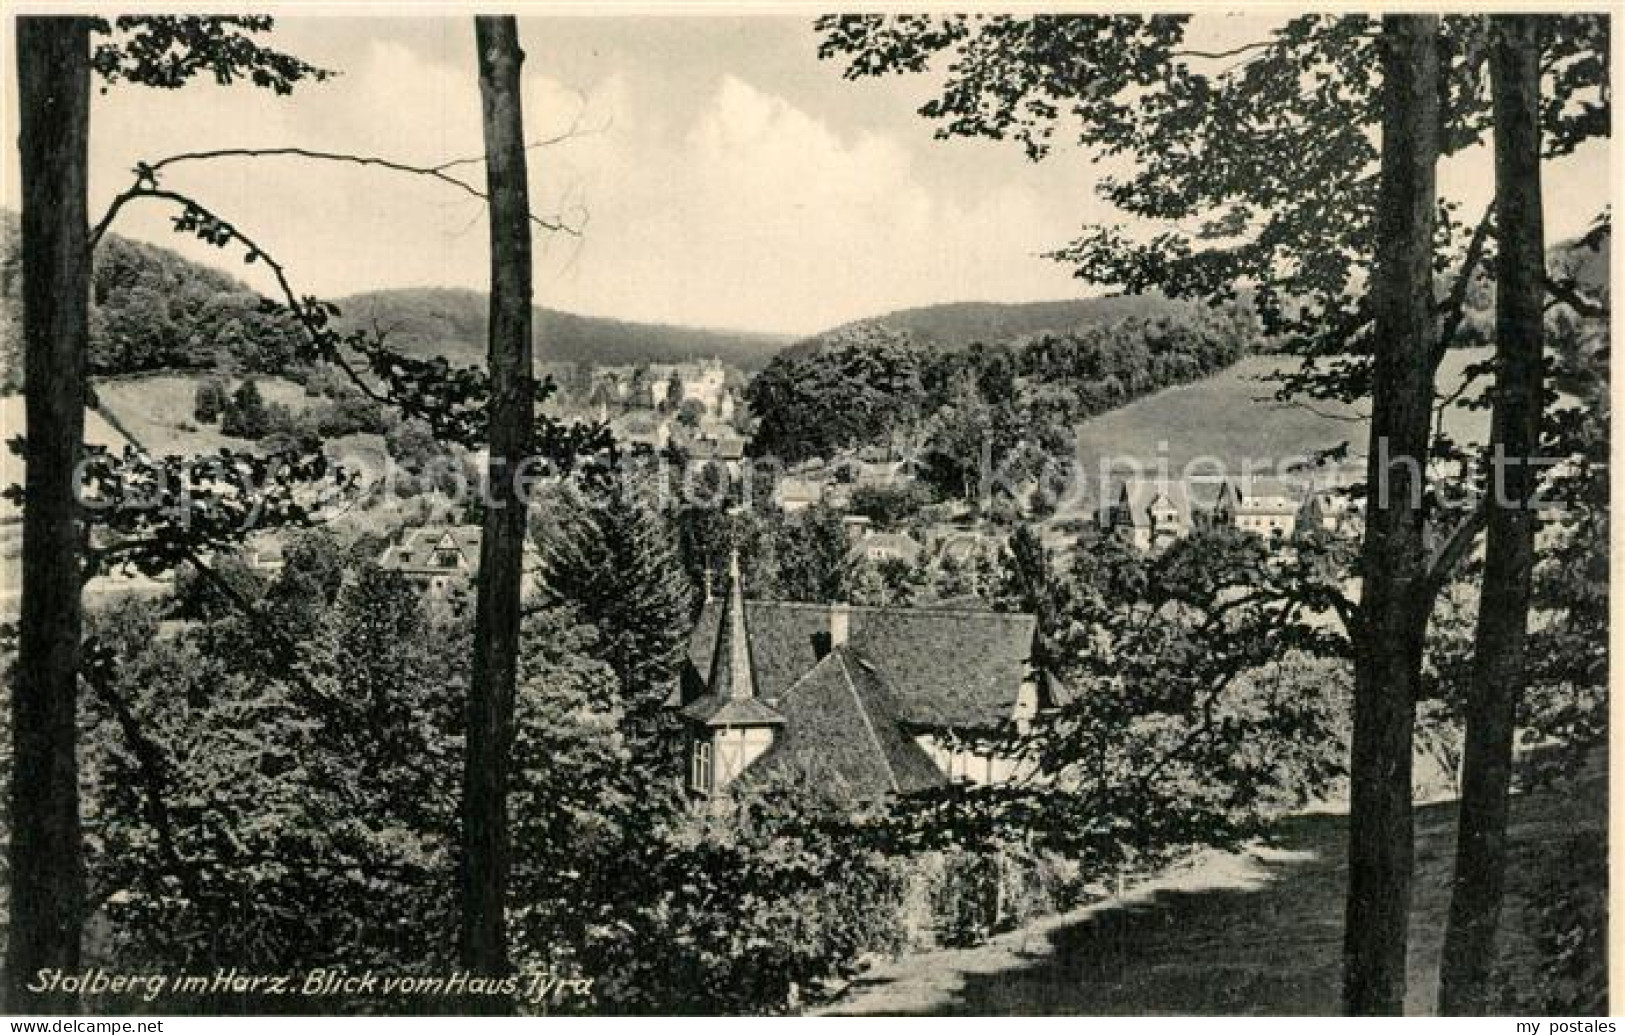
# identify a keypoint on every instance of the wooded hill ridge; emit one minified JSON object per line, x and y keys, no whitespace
{"x":451,"y":322}
{"x":154,"y":310}
{"x":958,"y":324}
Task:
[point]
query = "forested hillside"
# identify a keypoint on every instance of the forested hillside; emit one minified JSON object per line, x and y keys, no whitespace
{"x":451,"y":322}
{"x":868,"y":383}
{"x":155,"y":311}
{"x":152,"y":310}
{"x":955,"y":324}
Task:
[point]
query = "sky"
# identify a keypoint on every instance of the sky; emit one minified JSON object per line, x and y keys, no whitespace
{"x":722,"y":175}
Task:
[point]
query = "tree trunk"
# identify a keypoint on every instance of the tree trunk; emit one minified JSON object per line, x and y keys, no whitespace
{"x":1393,"y":603}
{"x":47,"y":861}
{"x":484,"y":877}
{"x":1503,"y":610}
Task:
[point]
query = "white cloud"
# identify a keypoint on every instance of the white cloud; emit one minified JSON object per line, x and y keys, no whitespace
{"x":744,"y":187}
{"x":738,"y":208}
{"x":763,"y":215}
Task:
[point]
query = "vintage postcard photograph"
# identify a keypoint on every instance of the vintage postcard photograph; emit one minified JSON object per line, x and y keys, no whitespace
{"x":781,"y":510}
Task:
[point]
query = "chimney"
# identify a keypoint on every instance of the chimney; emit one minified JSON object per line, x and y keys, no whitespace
{"x":840,"y":625}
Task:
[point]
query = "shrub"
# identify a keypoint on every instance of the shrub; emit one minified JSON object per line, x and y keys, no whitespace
{"x":244,"y":415}
{"x":210,"y":400}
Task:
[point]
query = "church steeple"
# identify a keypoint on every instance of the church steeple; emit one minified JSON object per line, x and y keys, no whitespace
{"x":732,"y":675}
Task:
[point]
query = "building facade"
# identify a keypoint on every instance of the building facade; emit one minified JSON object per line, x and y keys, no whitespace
{"x":858,"y":702}
{"x":440,"y":559}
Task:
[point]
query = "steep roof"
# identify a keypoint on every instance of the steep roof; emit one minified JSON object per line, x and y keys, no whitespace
{"x":715,"y":710}
{"x":841,"y":732}
{"x":1137,"y":497}
{"x":730,"y":686}
{"x":419,"y":548}
{"x":1262,"y":496}
{"x":799,"y":489}
{"x":723,"y":445}
{"x":732,"y":675}
{"x":944,"y":668}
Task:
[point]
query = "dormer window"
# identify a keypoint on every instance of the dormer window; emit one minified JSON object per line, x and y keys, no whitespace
{"x":448,"y":559}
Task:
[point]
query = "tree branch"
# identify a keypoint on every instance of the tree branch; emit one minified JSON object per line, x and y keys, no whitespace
{"x":437,"y":172}
{"x":1219,"y":55}
{"x":1567,"y":292}
{"x":1455,"y":306}
{"x":1455,"y":547}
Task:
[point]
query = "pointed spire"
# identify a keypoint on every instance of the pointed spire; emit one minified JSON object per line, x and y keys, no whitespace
{"x":731,"y":672}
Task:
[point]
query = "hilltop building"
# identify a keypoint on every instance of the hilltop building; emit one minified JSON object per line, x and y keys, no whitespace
{"x":705,"y":381}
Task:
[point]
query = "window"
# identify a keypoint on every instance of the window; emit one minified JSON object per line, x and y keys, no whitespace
{"x":700,"y":777}
{"x":448,"y":559}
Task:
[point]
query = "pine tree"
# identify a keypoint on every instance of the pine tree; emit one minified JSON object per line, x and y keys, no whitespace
{"x":614,"y":561}
{"x":210,"y":401}
{"x":245,"y":414}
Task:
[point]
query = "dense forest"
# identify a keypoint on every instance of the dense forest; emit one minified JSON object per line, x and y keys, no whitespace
{"x":451,"y":322}
{"x":153,"y":310}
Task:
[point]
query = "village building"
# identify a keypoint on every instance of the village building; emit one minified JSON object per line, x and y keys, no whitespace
{"x":716,"y":444}
{"x":858,"y":702}
{"x":956,"y":545}
{"x":838,"y":495}
{"x":877,"y":547}
{"x":705,"y":381}
{"x":1150,"y":513}
{"x":441,"y":558}
{"x":1333,"y":510}
{"x":641,"y":430}
{"x":792,"y":493}
{"x":1267,"y":507}
{"x":264,"y":553}
{"x":858,"y":471}
{"x":604,"y":393}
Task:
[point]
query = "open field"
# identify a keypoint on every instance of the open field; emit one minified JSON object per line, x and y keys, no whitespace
{"x":158,"y":411}
{"x":1232,"y":418}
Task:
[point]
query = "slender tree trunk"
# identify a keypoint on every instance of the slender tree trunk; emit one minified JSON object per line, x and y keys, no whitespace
{"x":483,"y":943}
{"x":1503,"y":611}
{"x":47,"y":861}
{"x":1393,"y":604}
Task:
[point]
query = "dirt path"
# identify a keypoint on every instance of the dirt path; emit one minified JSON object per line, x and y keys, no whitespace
{"x":1257,"y":932}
